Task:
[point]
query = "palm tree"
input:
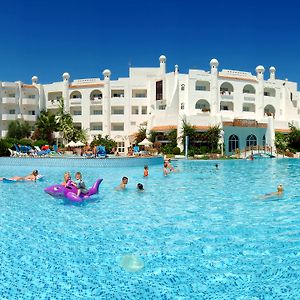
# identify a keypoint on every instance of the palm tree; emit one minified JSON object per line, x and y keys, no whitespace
{"x":64,"y":121}
{"x":46,"y":125}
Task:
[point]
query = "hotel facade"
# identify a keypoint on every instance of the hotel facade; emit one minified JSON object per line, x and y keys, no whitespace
{"x":249,"y":108}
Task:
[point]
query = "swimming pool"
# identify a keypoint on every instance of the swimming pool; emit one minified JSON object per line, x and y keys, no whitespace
{"x":200,"y":233}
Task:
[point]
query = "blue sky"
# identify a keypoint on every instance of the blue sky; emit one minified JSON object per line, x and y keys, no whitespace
{"x":48,"y":38}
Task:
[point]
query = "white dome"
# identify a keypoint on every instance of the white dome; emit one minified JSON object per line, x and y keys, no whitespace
{"x":106,"y":73}
{"x":214,"y":63}
{"x":162,"y":58}
{"x":260,"y":69}
{"x":272,"y":69}
{"x":34,"y":79}
{"x":66,"y":75}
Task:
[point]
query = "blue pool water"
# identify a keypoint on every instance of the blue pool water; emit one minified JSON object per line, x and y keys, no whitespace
{"x":200,"y":233}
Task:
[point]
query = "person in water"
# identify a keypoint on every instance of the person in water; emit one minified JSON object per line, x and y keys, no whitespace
{"x":278,"y":193}
{"x":166,"y":169}
{"x":30,"y":177}
{"x":80,"y":184}
{"x":123,"y":184}
{"x":140,"y":187}
{"x":146,"y":171}
{"x":67,"y":179}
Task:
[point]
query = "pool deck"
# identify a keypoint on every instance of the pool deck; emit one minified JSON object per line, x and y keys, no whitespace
{"x":81,"y":161}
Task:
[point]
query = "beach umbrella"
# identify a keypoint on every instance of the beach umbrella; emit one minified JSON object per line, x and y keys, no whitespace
{"x":79,"y":144}
{"x":145,"y":142}
{"x":71,"y":144}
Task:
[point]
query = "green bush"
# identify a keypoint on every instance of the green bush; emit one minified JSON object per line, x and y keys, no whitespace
{"x":167,"y":149}
{"x":176,"y":150}
{"x":4,"y":145}
{"x":40,"y":143}
{"x":26,"y":142}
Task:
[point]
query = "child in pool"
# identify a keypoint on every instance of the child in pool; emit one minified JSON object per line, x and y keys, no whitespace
{"x":146,"y":172}
{"x":80,"y":184}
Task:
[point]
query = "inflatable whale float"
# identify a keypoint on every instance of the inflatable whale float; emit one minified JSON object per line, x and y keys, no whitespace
{"x":70,"y":191}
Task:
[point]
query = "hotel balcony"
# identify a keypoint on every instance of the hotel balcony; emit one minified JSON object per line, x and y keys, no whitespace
{"x":9,"y":100}
{"x":95,"y":101}
{"x":9,"y":117}
{"x":75,"y":101}
{"x":29,"y":118}
{"x":227,"y":95}
{"x":249,"y":97}
{"x":29,"y":101}
{"x":96,"y":118}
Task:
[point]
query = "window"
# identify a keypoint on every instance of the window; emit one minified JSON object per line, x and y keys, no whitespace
{"x":246,"y":108}
{"x":159,"y":90}
{"x":182,"y":87}
{"x":121,"y":147}
{"x":233,"y":143}
{"x":162,"y":107}
{"x":202,"y":85}
{"x":97,"y":126}
{"x":182,"y":106}
{"x":117,"y":110}
{"x":31,"y":112}
{"x":77,"y":112}
{"x":117,"y":93}
{"x":96,"y":95}
{"x":132,"y":123}
{"x":31,"y":96}
{"x":134,"y":110}
{"x":12,"y":112}
{"x":200,"y":88}
{"x":97,"y":112}
{"x":139,"y":93}
{"x":251,"y":140}
{"x":117,"y":126}
{"x":11,"y":95}
{"x":264,"y":140}
{"x":144,"y":110}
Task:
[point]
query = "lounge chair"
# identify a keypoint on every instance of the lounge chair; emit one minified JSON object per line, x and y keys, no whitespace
{"x":13,"y":153}
{"x":101,"y":152}
{"x":136,"y":150}
{"x":42,"y":152}
{"x":19,"y":152}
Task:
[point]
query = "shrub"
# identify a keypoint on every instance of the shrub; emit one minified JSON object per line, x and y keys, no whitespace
{"x":176,"y":150}
{"x":4,"y":145}
{"x":40,"y":143}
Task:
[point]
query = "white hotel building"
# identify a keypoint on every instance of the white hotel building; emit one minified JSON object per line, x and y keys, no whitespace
{"x":248,"y":107}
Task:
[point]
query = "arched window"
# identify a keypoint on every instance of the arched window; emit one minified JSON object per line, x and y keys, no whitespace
{"x":233,"y":142}
{"x":251,"y":140}
{"x":181,"y":105}
{"x":269,"y":110}
{"x":96,"y":95}
{"x":226,"y":88}
{"x":202,"y":104}
{"x":182,"y":87}
{"x":75,"y":95}
{"x":264,"y":140}
{"x":249,"y":89}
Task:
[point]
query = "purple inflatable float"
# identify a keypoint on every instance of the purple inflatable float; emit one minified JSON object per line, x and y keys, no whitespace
{"x":70,"y":191}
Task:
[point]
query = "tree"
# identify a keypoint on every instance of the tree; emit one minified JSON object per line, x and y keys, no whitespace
{"x":18,"y":130}
{"x":281,"y":141}
{"x":106,"y":142}
{"x":64,"y":121}
{"x":294,"y":137}
{"x":188,"y":130}
{"x":141,"y":134}
{"x":46,"y":124}
{"x":213,"y":137}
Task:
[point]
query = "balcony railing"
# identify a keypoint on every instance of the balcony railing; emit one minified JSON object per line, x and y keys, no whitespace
{"x":9,"y":100}
{"x":9,"y":117}
{"x":29,"y":101}
{"x":226,"y":95}
{"x":249,"y":97}
{"x":30,"y":118}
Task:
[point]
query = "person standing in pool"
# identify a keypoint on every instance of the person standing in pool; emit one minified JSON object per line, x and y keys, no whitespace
{"x":146,"y":172}
{"x":123,"y":184}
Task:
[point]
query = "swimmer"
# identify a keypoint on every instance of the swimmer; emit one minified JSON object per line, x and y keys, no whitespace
{"x":123,"y":184}
{"x":166,"y":169}
{"x":140,"y":187}
{"x":217,"y":166}
{"x":171,"y":168}
{"x":278,"y":193}
{"x":30,"y":177}
{"x":146,"y":172}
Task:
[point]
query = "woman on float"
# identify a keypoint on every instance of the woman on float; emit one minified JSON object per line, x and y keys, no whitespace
{"x":31,"y":177}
